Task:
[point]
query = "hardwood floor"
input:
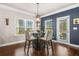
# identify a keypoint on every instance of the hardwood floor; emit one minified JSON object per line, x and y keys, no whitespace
{"x":58,"y":50}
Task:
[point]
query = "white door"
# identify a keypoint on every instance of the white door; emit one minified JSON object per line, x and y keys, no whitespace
{"x":63,"y":29}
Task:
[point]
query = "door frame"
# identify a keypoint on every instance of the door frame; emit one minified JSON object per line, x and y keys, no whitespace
{"x":68,"y":27}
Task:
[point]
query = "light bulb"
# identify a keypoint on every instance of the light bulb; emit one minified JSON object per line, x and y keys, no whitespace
{"x":37,"y":18}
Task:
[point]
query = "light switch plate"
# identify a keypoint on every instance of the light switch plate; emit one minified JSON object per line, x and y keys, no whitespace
{"x":74,"y":28}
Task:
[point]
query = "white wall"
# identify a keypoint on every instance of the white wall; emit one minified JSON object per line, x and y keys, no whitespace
{"x":8,"y":33}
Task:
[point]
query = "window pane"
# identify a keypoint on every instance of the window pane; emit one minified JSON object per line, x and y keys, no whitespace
{"x":21,"y":23}
{"x":63,"y":27}
{"x":24,"y":25}
{"x":21,"y":28}
{"x":29,"y":25}
{"x":48,"y":25}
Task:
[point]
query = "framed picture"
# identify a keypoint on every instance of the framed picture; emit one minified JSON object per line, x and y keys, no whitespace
{"x":76,"y":21}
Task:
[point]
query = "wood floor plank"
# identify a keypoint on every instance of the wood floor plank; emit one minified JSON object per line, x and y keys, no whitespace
{"x":58,"y":50}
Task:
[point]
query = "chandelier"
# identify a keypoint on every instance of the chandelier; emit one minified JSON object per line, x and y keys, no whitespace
{"x":38,"y":18}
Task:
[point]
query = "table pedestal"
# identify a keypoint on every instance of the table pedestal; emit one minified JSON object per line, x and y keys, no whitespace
{"x":38,"y":44}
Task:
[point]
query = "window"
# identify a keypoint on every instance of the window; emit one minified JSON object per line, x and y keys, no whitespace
{"x":48,"y":25}
{"x":23,"y":25}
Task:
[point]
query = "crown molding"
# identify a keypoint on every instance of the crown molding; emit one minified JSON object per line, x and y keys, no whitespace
{"x":16,"y":10}
{"x":61,"y":10}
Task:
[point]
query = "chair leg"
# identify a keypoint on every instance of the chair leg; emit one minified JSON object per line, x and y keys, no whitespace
{"x":28,"y":48}
{"x":47,"y":49}
{"x":52,"y":47}
{"x":25,"y":47}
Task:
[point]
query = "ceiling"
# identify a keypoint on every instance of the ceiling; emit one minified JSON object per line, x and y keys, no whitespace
{"x":44,"y":8}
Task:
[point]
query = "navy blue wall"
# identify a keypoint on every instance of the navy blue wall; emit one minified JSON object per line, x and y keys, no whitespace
{"x":74,"y":13}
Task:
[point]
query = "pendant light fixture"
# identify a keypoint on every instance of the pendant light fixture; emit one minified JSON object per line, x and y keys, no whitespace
{"x":38,"y":17}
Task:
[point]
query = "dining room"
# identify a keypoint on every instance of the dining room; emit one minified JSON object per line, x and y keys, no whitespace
{"x":39,"y":29}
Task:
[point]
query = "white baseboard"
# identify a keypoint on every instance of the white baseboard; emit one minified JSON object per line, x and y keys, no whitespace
{"x":73,"y":45}
{"x":12,"y":43}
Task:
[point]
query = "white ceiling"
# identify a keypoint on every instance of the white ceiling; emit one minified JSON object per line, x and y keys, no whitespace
{"x":44,"y":8}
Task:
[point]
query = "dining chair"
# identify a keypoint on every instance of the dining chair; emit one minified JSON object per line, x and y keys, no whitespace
{"x":28,"y":40}
{"x":48,"y":40}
